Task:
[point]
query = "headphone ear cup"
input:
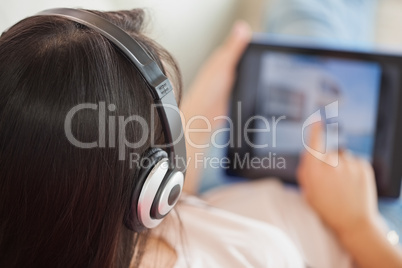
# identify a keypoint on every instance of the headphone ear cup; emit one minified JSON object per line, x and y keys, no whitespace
{"x":147,"y":163}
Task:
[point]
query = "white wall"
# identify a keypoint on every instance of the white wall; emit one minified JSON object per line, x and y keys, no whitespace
{"x":15,"y":10}
{"x":189,"y":29}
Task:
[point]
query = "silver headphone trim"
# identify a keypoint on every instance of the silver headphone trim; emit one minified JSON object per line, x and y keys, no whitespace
{"x":148,"y":193}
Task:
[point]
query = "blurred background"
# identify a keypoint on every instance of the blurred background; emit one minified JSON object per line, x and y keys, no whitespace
{"x":191,"y":29}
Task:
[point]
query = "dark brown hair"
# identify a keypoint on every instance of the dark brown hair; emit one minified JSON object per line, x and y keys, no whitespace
{"x":61,"y":205}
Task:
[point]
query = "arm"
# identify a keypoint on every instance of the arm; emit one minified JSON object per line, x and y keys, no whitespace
{"x":369,"y":247}
{"x":345,"y":198}
{"x":208,"y":98}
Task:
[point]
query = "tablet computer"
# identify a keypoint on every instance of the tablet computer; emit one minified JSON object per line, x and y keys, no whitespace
{"x":283,"y":87}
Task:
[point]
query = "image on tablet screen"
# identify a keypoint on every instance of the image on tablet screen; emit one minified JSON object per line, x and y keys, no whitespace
{"x":293,"y":86}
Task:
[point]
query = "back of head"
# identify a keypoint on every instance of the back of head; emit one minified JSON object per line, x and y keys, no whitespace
{"x":61,"y":205}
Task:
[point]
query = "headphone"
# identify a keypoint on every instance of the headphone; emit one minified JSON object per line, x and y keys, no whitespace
{"x":160,"y":183}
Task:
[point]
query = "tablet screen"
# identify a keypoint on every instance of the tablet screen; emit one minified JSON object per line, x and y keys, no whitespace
{"x":292,"y":87}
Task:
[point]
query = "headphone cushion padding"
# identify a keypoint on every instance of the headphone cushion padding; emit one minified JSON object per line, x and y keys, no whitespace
{"x":148,"y":160}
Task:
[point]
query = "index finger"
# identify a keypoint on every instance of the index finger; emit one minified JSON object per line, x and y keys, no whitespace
{"x":315,"y":141}
{"x":314,"y":146}
{"x":309,"y":161}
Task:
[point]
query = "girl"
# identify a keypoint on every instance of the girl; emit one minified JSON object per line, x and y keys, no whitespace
{"x":64,"y":206}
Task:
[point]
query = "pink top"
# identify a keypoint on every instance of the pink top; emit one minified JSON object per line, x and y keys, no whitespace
{"x":274,"y":204}
{"x":213,"y":237}
{"x":254,"y":224}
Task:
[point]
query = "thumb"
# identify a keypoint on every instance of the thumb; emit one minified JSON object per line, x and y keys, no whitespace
{"x":236,"y":42}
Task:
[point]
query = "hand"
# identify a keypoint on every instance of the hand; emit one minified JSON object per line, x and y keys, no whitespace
{"x":344,"y":196}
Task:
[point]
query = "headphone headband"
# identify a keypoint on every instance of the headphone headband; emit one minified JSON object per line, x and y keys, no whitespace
{"x":158,"y":84}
